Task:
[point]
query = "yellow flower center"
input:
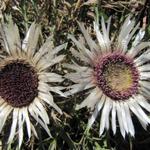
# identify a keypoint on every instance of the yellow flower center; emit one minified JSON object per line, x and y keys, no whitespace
{"x":118,"y":77}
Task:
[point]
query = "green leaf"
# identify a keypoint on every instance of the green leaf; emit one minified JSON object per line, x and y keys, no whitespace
{"x":53,"y":145}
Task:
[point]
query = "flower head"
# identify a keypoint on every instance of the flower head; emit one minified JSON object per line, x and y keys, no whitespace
{"x":116,"y":74}
{"x":25,"y":79}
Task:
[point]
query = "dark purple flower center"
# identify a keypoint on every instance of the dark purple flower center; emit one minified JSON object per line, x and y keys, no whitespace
{"x":18,"y":83}
{"x":117,"y":76}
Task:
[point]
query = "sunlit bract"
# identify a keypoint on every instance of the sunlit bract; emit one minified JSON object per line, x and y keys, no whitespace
{"x":117,"y":74}
{"x":25,"y":79}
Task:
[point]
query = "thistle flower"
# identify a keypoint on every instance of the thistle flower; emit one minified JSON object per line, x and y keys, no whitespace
{"x":117,"y":75}
{"x":25,"y":79}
